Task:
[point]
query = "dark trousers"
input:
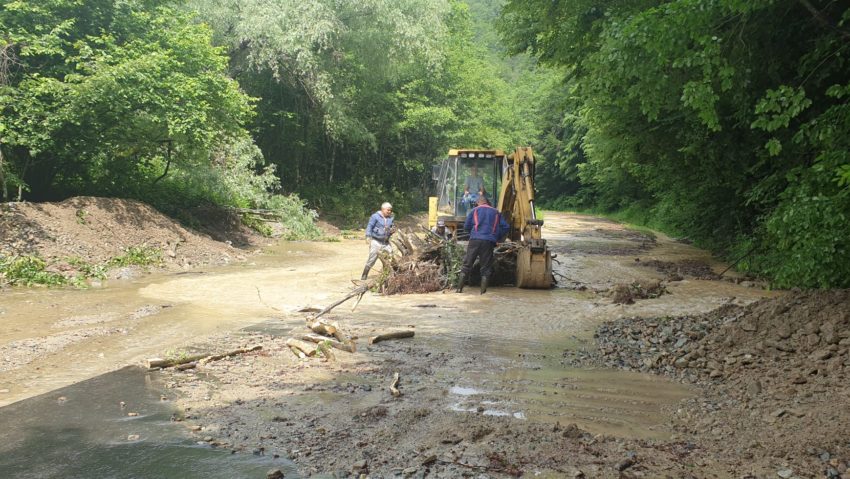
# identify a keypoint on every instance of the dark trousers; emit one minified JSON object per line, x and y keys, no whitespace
{"x":483,"y":250}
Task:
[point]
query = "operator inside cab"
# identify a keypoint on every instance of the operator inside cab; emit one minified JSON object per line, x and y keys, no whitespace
{"x":473,"y":189}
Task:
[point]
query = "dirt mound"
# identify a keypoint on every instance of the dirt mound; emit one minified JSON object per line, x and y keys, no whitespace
{"x":692,"y":268}
{"x":96,"y":230}
{"x":774,"y":373}
{"x":623,"y":293}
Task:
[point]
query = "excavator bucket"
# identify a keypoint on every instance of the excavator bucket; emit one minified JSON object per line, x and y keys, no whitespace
{"x":534,"y":266}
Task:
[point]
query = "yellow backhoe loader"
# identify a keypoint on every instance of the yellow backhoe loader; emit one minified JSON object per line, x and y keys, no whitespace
{"x":466,"y":174}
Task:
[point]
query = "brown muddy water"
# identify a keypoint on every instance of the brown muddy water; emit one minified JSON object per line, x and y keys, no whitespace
{"x":513,"y":340}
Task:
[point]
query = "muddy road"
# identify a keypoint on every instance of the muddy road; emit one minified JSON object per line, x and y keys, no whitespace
{"x":485,"y":387}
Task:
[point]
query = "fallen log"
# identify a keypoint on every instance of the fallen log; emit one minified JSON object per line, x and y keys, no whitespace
{"x":308,"y":348}
{"x":348,"y":347}
{"x":199,"y":359}
{"x":160,"y":363}
{"x":183,"y":367}
{"x":394,"y":386}
{"x":388,"y":336}
{"x":300,"y":354}
{"x":235,"y":352}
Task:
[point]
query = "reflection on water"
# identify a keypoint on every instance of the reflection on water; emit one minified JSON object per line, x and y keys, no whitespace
{"x":82,"y":431}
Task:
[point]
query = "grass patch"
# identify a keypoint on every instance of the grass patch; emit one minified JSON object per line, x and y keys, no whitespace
{"x":141,"y":255}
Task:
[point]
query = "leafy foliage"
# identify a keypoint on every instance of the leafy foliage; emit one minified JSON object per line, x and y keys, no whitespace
{"x":28,"y":271}
{"x":692,"y":115}
{"x":140,"y":255}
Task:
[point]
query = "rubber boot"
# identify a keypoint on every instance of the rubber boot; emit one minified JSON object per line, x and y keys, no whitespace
{"x":460,"y":282}
{"x":365,"y":273}
{"x":484,"y":280}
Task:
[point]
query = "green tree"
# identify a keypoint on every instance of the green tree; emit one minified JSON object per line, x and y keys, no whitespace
{"x":694,"y":113}
{"x":107,"y":96}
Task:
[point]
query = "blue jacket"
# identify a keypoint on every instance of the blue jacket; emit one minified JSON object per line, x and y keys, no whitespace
{"x":486,"y":223}
{"x":379,"y":227}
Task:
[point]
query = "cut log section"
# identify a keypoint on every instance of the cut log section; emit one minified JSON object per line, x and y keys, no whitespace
{"x":332,"y":329}
{"x":321,"y":326}
{"x":388,"y":336}
{"x":307,"y":348}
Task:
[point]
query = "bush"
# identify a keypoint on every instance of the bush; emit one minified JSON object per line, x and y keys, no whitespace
{"x":806,"y":241}
{"x":27,"y":271}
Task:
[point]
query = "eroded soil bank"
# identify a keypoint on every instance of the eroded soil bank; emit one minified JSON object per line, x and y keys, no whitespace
{"x":487,"y":389}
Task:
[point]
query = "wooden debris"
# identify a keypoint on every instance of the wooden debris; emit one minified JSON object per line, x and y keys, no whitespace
{"x":326,"y":350}
{"x":323,"y":327}
{"x":307,"y":348}
{"x":388,"y":336}
{"x":183,"y":367}
{"x":235,"y":352}
{"x":394,"y":386}
{"x":356,"y":291}
{"x":197,"y":359}
{"x":348,"y":347}
{"x":155,"y":363}
{"x":298,"y":352}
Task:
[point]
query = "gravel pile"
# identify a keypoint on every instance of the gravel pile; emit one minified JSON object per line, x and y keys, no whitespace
{"x":809,"y":330}
{"x":773,"y":377}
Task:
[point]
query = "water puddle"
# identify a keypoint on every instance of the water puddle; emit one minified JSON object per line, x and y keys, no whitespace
{"x":461,"y":391}
{"x":618,"y":403}
{"x":83,"y":431}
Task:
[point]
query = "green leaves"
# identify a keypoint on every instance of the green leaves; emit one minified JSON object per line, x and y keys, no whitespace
{"x":779,"y":106}
{"x":694,"y":112}
{"x":104,"y":89}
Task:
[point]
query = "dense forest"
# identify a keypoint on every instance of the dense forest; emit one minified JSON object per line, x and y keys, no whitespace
{"x":725,"y":121}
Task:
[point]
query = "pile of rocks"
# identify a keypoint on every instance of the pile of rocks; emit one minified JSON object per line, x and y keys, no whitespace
{"x":807,"y":331}
{"x":773,"y":378}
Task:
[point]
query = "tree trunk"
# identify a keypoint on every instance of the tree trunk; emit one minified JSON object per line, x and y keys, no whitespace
{"x":3,"y":173}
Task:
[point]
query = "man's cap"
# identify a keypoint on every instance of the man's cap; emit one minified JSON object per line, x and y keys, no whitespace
{"x":441,"y":223}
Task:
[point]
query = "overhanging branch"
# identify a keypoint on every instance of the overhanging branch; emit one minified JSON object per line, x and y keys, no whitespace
{"x":823,"y":19}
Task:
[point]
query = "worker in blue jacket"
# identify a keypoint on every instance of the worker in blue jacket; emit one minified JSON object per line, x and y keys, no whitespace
{"x":486,"y":227}
{"x":378,"y":232}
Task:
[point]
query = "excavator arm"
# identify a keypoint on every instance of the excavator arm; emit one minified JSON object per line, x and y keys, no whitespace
{"x":516,"y":203}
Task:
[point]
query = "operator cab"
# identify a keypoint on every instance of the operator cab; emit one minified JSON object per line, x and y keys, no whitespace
{"x":461,"y":179}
